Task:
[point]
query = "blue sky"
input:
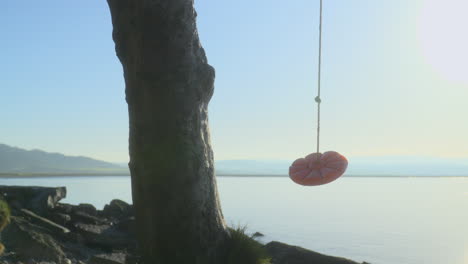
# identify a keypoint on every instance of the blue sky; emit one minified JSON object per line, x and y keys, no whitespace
{"x":395,"y":78}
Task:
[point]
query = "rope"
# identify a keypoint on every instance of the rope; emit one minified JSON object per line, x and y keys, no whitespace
{"x":317,"y":98}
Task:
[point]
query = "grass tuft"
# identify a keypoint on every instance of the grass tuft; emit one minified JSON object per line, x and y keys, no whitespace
{"x":244,"y":249}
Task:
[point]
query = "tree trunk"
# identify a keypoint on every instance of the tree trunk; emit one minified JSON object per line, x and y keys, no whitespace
{"x":168,"y":86}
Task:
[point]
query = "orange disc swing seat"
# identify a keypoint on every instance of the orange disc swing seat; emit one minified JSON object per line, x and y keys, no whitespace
{"x":318,"y":168}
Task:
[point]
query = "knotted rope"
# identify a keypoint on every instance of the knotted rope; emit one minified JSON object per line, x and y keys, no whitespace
{"x":317,"y":98}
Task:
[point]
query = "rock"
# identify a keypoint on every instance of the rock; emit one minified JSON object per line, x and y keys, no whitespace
{"x":36,"y":199}
{"x":127,"y":225}
{"x":64,"y":233}
{"x":29,"y":241}
{"x":285,"y":254}
{"x":63,"y":208}
{"x":257,"y":234}
{"x":104,"y":236}
{"x":114,"y":258}
{"x":85,"y":218}
{"x":87,"y":208}
{"x":61,"y":219}
{"x":118,"y":209}
{"x":44,"y":222}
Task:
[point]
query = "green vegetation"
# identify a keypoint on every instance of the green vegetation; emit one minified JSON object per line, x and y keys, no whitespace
{"x":4,"y":214}
{"x":242,"y":248}
{"x":4,"y":219}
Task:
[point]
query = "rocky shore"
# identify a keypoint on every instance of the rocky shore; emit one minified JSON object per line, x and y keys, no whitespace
{"x":44,"y":231}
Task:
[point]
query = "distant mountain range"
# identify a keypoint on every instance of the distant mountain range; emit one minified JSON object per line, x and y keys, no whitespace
{"x":359,"y":166}
{"x":19,"y":161}
{"x":16,"y":161}
{"x":408,"y":166}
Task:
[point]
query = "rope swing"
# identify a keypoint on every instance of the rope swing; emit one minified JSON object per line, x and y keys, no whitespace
{"x":317,"y":168}
{"x":319,"y":78}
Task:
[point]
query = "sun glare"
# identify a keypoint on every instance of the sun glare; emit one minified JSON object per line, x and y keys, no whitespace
{"x":442,"y":34}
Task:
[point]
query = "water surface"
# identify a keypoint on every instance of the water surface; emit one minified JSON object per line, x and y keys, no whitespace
{"x":379,"y":220}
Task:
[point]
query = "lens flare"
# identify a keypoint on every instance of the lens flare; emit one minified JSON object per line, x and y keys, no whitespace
{"x":443,"y":38}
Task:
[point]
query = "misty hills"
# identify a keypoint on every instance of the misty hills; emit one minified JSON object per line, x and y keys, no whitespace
{"x":14,"y":160}
{"x":18,"y":161}
{"x":358,"y":166}
{"x":408,"y":166}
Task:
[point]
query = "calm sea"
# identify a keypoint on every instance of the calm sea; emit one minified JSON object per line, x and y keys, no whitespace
{"x":379,"y":220}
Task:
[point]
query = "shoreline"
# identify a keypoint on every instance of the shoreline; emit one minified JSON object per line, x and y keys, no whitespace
{"x":65,"y":175}
{"x":41,"y":229}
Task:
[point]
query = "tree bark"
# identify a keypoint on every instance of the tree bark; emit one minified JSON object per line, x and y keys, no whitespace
{"x":168,"y":86}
